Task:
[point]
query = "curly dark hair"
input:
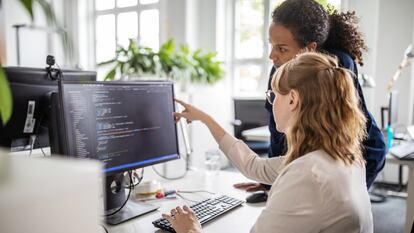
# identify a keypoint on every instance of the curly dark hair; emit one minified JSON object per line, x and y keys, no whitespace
{"x":331,"y":30}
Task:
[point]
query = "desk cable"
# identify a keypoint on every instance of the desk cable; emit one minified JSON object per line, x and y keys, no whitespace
{"x":173,"y":178}
{"x":106,"y":230}
{"x":138,"y":177}
{"x":33,"y":138}
{"x":179,"y":194}
{"x":131,"y":185}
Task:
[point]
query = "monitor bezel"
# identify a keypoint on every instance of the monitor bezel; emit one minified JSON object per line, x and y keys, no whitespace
{"x":143,"y":82}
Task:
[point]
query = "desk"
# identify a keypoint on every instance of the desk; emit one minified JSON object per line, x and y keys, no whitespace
{"x":257,"y":134}
{"x":263,"y":134}
{"x":240,"y":219}
{"x":409,"y":218}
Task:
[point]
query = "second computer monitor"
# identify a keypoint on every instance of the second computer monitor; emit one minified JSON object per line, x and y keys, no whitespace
{"x":31,"y":89}
{"x":125,"y":125}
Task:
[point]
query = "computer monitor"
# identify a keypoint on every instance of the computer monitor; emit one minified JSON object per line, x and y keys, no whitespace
{"x":31,"y":89}
{"x":126,"y":125}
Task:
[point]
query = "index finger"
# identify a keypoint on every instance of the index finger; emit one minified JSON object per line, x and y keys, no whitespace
{"x":184,"y":104}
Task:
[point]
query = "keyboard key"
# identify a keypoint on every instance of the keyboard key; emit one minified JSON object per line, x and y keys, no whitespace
{"x":205,"y":210}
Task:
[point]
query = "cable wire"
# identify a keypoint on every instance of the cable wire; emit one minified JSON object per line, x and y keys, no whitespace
{"x":36,"y":132}
{"x":184,"y":198}
{"x":139,"y":179}
{"x":106,"y":230}
{"x":168,"y":178}
{"x":173,"y":178}
{"x":41,"y":148}
{"x":129,"y":194}
{"x":195,"y":191}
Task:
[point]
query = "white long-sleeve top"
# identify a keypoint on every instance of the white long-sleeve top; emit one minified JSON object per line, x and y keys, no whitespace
{"x":314,"y":193}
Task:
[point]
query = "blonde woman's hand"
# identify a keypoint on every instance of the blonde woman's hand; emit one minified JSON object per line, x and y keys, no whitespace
{"x":190,"y":113}
{"x":183,"y":220}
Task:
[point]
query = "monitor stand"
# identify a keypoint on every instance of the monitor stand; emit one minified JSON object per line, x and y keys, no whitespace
{"x":115,"y":197}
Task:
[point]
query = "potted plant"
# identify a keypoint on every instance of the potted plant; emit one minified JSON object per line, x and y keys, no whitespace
{"x":169,"y":62}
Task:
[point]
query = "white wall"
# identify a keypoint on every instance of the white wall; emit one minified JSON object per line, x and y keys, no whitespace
{"x":412,"y":78}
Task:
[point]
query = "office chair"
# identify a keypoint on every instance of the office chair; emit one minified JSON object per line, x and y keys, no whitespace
{"x":249,"y":114}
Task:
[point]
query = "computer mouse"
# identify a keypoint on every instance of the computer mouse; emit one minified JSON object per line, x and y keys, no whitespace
{"x":257,"y":197}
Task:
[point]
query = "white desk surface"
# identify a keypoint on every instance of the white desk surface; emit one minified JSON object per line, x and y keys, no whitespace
{"x":238,"y":220}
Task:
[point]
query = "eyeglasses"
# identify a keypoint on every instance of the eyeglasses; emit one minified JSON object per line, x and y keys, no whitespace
{"x":270,"y":96}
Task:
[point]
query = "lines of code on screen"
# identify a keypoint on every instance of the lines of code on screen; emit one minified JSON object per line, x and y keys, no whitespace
{"x":123,"y":125}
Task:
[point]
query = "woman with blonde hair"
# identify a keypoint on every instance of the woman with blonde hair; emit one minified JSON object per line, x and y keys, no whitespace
{"x":319,"y":184}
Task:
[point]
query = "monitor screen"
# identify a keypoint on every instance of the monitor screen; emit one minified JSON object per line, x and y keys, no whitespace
{"x":126,"y":125}
{"x":31,"y":89}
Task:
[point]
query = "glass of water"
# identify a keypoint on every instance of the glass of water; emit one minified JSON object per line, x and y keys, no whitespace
{"x":212,"y":161}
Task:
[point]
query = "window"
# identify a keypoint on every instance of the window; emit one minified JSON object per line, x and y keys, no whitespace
{"x":251,"y":65}
{"x":117,"y":21}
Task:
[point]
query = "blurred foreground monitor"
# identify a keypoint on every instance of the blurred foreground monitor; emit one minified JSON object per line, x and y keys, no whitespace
{"x":49,"y":195}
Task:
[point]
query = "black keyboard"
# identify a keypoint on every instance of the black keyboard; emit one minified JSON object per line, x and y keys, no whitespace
{"x":205,"y":210}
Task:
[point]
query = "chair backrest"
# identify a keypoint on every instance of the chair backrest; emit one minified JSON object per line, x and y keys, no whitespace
{"x":248,"y":114}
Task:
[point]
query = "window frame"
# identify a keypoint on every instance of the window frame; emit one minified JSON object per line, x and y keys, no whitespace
{"x":263,"y":61}
{"x":118,"y":10}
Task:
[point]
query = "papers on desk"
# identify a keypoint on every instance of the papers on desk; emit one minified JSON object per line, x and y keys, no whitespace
{"x":257,"y":134}
{"x":405,"y":150}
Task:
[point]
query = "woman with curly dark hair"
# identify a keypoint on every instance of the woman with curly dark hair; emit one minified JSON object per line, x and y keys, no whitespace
{"x":304,"y":25}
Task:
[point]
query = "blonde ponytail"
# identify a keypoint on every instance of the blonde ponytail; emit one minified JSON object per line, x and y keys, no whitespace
{"x":329,"y":116}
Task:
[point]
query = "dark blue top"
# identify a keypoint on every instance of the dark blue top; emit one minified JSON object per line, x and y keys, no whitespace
{"x":374,"y":145}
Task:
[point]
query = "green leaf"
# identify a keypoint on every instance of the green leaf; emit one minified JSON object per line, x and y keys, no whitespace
{"x":200,"y":66}
{"x":28,"y":5}
{"x":49,"y":13}
{"x":110,"y":75}
{"x":184,"y":48}
{"x":6,"y":101}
